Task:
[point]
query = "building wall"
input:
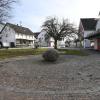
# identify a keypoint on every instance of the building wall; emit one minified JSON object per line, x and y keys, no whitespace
{"x":81,"y":29}
{"x":97,"y":44}
{"x":41,"y":40}
{"x":1,"y":26}
{"x":8,"y":36}
{"x":24,"y":36}
{"x":98,"y":25}
{"x":50,"y":42}
{"x":87,"y":42}
{"x":28,"y":40}
{"x":86,"y":33}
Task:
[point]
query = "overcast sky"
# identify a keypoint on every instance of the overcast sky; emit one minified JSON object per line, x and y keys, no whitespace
{"x":32,"y":13}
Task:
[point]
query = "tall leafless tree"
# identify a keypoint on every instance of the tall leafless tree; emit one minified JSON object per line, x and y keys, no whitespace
{"x":57,"y":30}
{"x":5,"y":9}
{"x":78,"y":38}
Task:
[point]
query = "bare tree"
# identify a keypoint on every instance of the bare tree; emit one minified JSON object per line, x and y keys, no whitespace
{"x":78,"y":38}
{"x":57,"y":30}
{"x":68,"y":41}
{"x":5,"y":9}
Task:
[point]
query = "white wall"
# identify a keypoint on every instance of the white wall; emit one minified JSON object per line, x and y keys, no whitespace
{"x":24,"y":36}
{"x":41,"y":39}
{"x":42,"y":42}
{"x":86,"y":33}
{"x":8,"y":35}
{"x":1,"y":26}
{"x":87,"y":43}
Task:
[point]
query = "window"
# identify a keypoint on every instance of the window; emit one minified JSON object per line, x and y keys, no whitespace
{"x":6,"y":35}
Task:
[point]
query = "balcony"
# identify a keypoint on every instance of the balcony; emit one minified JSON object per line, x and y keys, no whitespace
{"x":22,"y":36}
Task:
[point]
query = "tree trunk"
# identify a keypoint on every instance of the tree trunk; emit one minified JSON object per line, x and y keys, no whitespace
{"x":55,"y":44}
{"x":80,"y":43}
{"x":76,"y":44}
{"x":69,"y":44}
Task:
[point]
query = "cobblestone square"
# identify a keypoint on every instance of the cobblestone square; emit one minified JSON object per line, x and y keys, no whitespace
{"x":31,"y":78}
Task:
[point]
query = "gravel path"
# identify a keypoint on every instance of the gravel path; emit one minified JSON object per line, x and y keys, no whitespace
{"x":31,"y":78}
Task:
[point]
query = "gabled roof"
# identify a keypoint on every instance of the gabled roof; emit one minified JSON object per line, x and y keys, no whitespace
{"x":36,"y":34}
{"x":20,"y":29}
{"x":1,"y":26}
{"x":89,"y":23}
{"x":2,"y":29}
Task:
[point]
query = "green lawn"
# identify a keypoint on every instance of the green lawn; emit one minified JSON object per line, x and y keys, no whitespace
{"x":7,"y":53}
{"x":73,"y":52}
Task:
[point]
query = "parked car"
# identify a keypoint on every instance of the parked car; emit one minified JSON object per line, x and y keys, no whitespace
{"x":62,"y":46}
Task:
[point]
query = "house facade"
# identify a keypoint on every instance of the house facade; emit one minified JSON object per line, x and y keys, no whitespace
{"x":43,"y":42}
{"x":89,"y":28}
{"x":1,"y":26}
{"x":16,"y":36}
{"x":49,"y":42}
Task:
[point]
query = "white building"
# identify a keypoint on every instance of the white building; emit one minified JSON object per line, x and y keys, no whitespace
{"x":87,"y":26}
{"x":49,"y":42}
{"x":44,"y":43}
{"x":1,"y":26}
{"x":90,"y":28}
{"x":14,"y":35}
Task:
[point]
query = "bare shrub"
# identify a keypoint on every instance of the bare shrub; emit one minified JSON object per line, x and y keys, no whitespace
{"x":51,"y":55}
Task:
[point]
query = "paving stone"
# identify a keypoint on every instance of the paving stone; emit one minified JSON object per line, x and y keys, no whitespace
{"x":31,"y":78}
